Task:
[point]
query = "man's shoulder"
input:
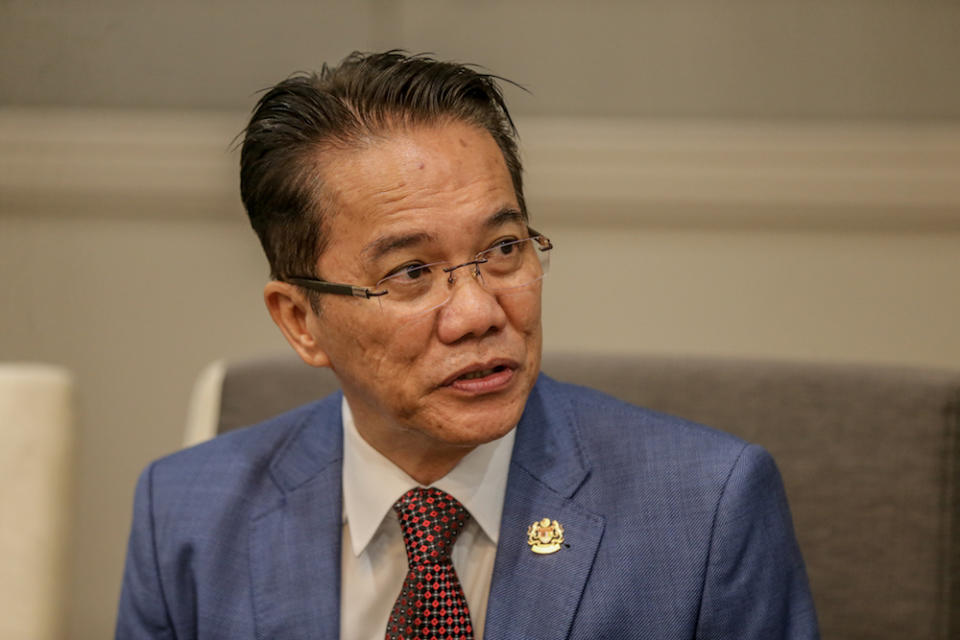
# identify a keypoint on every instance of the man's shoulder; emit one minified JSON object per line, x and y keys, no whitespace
{"x":240,"y":461}
{"x":600,"y":415}
{"x":617,"y":436}
{"x":651,"y":461}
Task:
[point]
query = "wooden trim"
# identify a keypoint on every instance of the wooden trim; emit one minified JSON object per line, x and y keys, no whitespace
{"x":673,"y":173}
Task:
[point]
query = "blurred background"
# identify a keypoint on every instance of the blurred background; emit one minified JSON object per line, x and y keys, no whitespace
{"x":748,"y":178}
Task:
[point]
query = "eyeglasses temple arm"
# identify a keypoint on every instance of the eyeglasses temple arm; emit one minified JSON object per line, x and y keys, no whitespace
{"x":542,"y":240}
{"x":332,"y":287}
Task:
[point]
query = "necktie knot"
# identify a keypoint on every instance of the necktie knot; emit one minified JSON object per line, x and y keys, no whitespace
{"x":431,"y":521}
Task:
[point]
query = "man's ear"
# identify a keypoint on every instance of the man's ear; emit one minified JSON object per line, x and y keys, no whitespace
{"x":291,"y":311}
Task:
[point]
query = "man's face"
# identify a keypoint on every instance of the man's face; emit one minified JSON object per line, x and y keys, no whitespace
{"x":456,"y":376}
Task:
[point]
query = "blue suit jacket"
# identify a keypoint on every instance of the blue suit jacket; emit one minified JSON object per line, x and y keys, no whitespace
{"x":674,"y":531}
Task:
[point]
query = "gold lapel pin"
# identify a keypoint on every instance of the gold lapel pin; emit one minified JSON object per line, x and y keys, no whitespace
{"x":545,"y":536}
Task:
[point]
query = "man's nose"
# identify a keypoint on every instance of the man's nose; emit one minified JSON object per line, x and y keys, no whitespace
{"x":471,"y":310}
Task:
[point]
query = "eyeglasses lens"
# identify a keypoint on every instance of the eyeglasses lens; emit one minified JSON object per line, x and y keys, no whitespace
{"x":505,"y":267}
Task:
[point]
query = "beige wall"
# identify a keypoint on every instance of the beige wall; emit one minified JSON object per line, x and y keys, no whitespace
{"x":806,"y":205}
{"x":736,"y":58}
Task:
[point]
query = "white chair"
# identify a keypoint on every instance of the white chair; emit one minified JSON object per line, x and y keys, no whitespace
{"x":36,"y":418}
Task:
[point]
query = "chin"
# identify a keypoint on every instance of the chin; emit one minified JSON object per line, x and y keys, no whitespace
{"x":469,"y":436}
{"x":473,"y":426}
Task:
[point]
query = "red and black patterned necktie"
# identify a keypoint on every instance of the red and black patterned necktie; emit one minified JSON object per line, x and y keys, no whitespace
{"x":431,"y":603}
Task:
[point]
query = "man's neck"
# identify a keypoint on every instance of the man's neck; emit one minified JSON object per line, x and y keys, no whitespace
{"x":425,"y":462}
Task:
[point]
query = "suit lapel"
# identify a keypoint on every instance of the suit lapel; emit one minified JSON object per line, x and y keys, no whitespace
{"x":295,"y":542}
{"x":536,"y":596}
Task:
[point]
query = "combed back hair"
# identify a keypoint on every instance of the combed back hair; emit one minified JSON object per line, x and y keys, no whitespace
{"x":343,"y":107}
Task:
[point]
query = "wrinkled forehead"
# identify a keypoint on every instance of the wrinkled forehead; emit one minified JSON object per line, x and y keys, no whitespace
{"x":424,"y":180}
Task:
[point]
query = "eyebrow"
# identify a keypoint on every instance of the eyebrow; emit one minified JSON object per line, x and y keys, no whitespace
{"x":385,"y":244}
{"x":505,"y":216}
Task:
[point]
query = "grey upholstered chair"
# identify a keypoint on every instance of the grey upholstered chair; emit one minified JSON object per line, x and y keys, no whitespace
{"x":870,"y":457}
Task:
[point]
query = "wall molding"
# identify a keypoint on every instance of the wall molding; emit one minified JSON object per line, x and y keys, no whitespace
{"x":632,"y":172}
{"x":745,"y":173}
{"x":119,"y":163}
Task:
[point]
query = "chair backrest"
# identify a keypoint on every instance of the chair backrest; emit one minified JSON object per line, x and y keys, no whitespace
{"x":870,"y":457}
{"x":36,"y":474}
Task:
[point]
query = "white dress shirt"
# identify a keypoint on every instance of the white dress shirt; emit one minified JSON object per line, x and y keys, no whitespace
{"x":373,"y":559}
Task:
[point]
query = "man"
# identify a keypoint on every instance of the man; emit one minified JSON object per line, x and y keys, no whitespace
{"x":451,"y":490}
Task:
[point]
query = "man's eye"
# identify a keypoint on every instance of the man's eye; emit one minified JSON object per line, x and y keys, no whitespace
{"x":410,"y":271}
{"x":505,"y":246}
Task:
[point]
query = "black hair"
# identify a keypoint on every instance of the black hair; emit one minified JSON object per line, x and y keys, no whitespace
{"x":366,"y":95}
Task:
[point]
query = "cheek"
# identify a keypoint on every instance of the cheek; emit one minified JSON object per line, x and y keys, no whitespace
{"x":356,"y":338}
{"x":524,"y":314}
{"x":392,"y":350}
{"x":523,"y":310}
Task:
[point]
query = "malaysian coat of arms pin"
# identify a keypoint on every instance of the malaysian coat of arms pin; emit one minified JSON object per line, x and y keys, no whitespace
{"x":545,"y":536}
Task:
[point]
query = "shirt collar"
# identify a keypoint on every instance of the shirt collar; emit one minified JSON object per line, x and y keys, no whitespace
{"x":372,"y":483}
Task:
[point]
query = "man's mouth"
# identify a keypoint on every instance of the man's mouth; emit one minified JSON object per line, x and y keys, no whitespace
{"x":483,"y":378}
{"x":473,"y":375}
